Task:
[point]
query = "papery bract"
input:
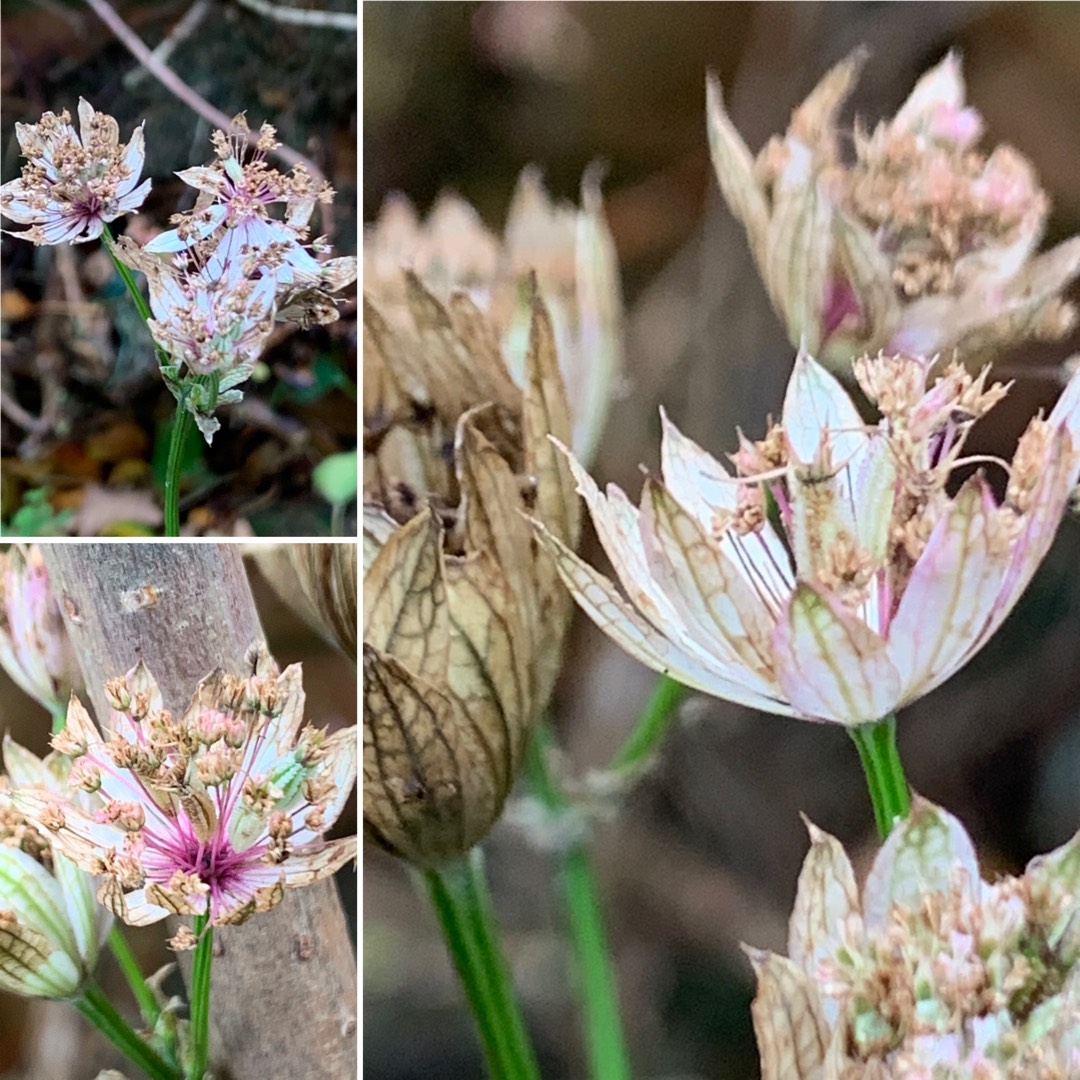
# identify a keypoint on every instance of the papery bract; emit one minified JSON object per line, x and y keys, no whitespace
{"x":34,"y":646}
{"x":571,"y":253}
{"x":463,"y":618}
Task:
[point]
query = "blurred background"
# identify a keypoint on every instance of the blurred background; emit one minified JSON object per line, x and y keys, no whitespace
{"x":45,"y":1040}
{"x":705,"y":852}
{"x":86,"y":416}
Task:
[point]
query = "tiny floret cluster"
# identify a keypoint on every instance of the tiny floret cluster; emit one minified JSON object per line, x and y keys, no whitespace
{"x":74,"y":183}
{"x":213,"y":812}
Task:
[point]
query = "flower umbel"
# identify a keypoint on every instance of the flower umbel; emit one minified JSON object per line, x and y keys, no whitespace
{"x":34,"y":646}
{"x":50,"y":925}
{"x":922,"y":244}
{"x":214,"y":812}
{"x":834,"y":577}
{"x":74,"y":183}
{"x":231,"y":223}
{"x":932,"y":971}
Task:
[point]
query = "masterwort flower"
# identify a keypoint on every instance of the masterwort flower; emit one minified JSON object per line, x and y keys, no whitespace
{"x":50,"y":925}
{"x":834,"y":577}
{"x":932,"y":972}
{"x":72,"y":186}
{"x":463,"y":616}
{"x":231,"y":222}
{"x":570,"y":251}
{"x":34,"y":646}
{"x":922,"y":244}
{"x":214,"y":812}
{"x":211,"y":319}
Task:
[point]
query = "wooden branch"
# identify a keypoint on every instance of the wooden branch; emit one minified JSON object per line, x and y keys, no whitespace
{"x":284,"y":984}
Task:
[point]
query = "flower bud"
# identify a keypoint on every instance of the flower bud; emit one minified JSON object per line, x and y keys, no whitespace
{"x":463,"y":616}
{"x":319,"y":582}
{"x":34,"y":646}
{"x":50,"y":925}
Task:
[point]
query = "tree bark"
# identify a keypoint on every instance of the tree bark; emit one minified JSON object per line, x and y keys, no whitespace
{"x":284,"y":983}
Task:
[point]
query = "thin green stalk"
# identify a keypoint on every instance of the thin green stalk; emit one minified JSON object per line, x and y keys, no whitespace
{"x":172,"y":470}
{"x":337,"y":519}
{"x":180,"y":422}
{"x":199,"y":999}
{"x":608,"y":1058}
{"x":59,"y":718}
{"x":459,"y":895}
{"x":97,"y":1008}
{"x":121,"y":950}
{"x":889,"y":792}
{"x":651,"y":725}
{"x":125,"y":272}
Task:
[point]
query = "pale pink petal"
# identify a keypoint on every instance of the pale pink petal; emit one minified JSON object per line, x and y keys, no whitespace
{"x":708,"y":589}
{"x":138,"y":911}
{"x":341,"y":751}
{"x":86,"y":120}
{"x":133,"y":200}
{"x":318,"y":861}
{"x":703,"y":487}
{"x":206,"y":178}
{"x":600,"y":600}
{"x":617,"y":525}
{"x":940,"y":87}
{"x":919,"y":857}
{"x":82,"y":839}
{"x":1049,"y":502}
{"x":951,"y":592}
{"x":1067,"y":411}
{"x":816,"y":403}
{"x":830,"y":664}
{"x":791,"y":1031}
{"x":134,"y":156}
{"x":826,"y":899}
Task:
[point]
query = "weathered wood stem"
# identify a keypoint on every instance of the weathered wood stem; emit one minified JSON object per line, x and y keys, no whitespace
{"x":284,"y":984}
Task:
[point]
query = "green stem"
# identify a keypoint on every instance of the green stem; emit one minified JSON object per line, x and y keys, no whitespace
{"x":125,"y":272}
{"x":180,"y":423}
{"x":172,"y":470}
{"x":459,"y":895}
{"x":337,"y":518}
{"x":608,"y":1058}
{"x":651,"y":725}
{"x":97,"y":1008}
{"x":884,"y":772}
{"x":199,"y":999}
{"x":59,"y":718}
{"x":121,"y":950}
